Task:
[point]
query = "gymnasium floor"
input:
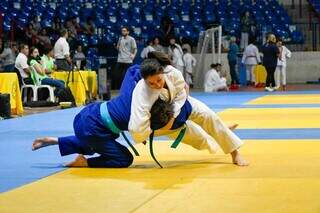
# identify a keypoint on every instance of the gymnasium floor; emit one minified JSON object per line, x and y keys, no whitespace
{"x":282,"y":135}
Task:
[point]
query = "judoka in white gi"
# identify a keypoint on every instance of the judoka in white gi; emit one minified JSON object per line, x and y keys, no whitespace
{"x":176,"y":54}
{"x":213,"y":82}
{"x":147,"y":49}
{"x":251,"y":58}
{"x":189,"y":64}
{"x":281,"y":70}
{"x":168,"y":84}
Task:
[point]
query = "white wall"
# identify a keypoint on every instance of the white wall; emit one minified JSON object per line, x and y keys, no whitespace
{"x":289,"y":2}
{"x":302,"y":66}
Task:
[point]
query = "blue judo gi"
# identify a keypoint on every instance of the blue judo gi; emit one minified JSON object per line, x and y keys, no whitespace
{"x":94,"y":135}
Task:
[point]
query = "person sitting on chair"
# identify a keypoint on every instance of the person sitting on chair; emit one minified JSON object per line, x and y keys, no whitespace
{"x":38,"y":73}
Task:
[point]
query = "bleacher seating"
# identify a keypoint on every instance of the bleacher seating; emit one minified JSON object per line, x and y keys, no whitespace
{"x":189,"y":16}
{"x":316,"y":5}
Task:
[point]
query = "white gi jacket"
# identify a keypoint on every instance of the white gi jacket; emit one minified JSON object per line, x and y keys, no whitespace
{"x":144,"y":97}
{"x":285,"y":53}
{"x":177,"y":56}
{"x":146,"y":50}
{"x":251,"y":55}
{"x":189,"y":62}
{"x":213,"y":81}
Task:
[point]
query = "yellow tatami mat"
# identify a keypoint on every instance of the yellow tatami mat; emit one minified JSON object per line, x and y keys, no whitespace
{"x":251,"y":118}
{"x":287,"y":99}
{"x":284,"y":176}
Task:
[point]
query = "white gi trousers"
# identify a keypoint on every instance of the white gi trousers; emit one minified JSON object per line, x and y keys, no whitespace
{"x":280,"y":75}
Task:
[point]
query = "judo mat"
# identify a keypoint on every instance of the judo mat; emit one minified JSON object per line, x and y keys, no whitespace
{"x":282,"y":142}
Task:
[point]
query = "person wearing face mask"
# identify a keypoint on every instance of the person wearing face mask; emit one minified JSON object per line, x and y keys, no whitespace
{"x":161,"y":79}
{"x":38,"y":72}
{"x":270,"y":59}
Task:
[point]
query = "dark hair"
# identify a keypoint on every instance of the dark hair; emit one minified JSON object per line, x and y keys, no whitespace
{"x":252,"y":40}
{"x":21,"y":46}
{"x":161,"y":57}
{"x":63,"y":31}
{"x":48,"y":48}
{"x":31,"y":57}
{"x":213,"y":66}
{"x":125,"y":27}
{"x":149,"y":67}
{"x":161,"y":113}
{"x":280,"y":39}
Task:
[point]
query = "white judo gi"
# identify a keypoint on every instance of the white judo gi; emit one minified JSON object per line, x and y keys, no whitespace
{"x":251,"y":58}
{"x":204,"y":127}
{"x":177,"y":57}
{"x":146,"y":51}
{"x":213,"y":82}
{"x":189,"y":63}
{"x":281,"y":72}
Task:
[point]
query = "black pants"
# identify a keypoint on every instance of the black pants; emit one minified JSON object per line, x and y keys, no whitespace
{"x":233,"y":72}
{"x":270,"y":76}
{"x":118,"y":74}
{"x":63,"y":65}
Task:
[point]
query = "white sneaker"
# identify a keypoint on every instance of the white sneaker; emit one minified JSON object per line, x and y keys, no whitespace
{"x":269,"y":89}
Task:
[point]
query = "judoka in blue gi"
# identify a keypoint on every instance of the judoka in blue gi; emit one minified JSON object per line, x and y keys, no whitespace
{"x":98,"y":125}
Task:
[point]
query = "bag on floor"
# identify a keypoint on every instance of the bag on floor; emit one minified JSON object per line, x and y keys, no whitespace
{"x":65,"y":95}
{"x":260,"y":73}
{"x":5,"y":106}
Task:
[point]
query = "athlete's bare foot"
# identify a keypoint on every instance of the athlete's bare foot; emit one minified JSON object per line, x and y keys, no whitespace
{"x":80,"y":161}
{"x":233,"y":126}
{"x":43,"y":142}
{"x":238,"y":160}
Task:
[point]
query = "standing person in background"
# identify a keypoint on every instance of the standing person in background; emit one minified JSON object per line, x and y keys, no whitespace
{"x":127,"y":50}
{"x":281,"y":72}
{"x":8,"y":57}
{"x":245,"y":29}
{"x":157,"y":46}
{"x":270,"y":59}
{"x":189,"y":62}
{"x":62,"y":52}
{"x":147,"y":49}
{"x":232,"y":59}
{"x":176,"y":54}
{"x":251,"y":58}
{"x":79,"y":58}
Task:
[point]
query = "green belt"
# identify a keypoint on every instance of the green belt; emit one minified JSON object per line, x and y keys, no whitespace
{"x":174,"y":144}
{"x":108,"y":122}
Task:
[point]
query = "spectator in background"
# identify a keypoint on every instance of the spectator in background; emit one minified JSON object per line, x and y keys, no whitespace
{"x":89,"y":27}
{"x":251,"y":58}
{"x":157,"y":46}
{"x":21,"y":64}
{"x":232,"y":59}
{"x":147,"y":49}
{"x":62,"y":52}
{"x":8,"y":57}
{"x":42,"y":40}
{"x":270,"y":59}
{"x":189,"y":62}
{"x":213,"y":82}
{"x":47,"y":60}
{"x":127,"y":50}
{"x":30,"y":34}
{"x":79,"y":58}
{"x":38,"y":73}
{"x":167,"y":30}
{"x":57,"y":25}
{"x":35,"y":24}
{"x":245,"y":29}
{"x":176,"y":54}
{"x":281,"y":70}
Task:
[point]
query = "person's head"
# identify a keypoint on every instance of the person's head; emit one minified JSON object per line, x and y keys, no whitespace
{"x":252,"y":40}
{"x":172,"y":41}
{"x":79,"y":48}
{"x":233,"y":39}
{"x":43,"y":32}
{"x":156,"y":41}
{"x":14,"y":47}
{"x":218,"y":67}
{"x":125,"y":31}
{"x":24,"y":48}
{"x":64,"y":33}
{"x":272,"y":38}
{"x":161,"y":113}
{"x":185,"y":50}
{"x":161,"y":57}
{"x":149,"y":42}
{"x":247,"y":13}
{"x":48,"y":51}
{"x":34,"y":52}
{"x":279,"y":42}
{"x":152,"y":72}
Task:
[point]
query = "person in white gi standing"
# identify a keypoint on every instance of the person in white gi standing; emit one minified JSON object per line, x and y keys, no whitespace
{"x":281,"y":72}
{"x":147,"y":49}
{"x":251,"y":58}
{"x":176,"y":54}
{"x":189,"y":62}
